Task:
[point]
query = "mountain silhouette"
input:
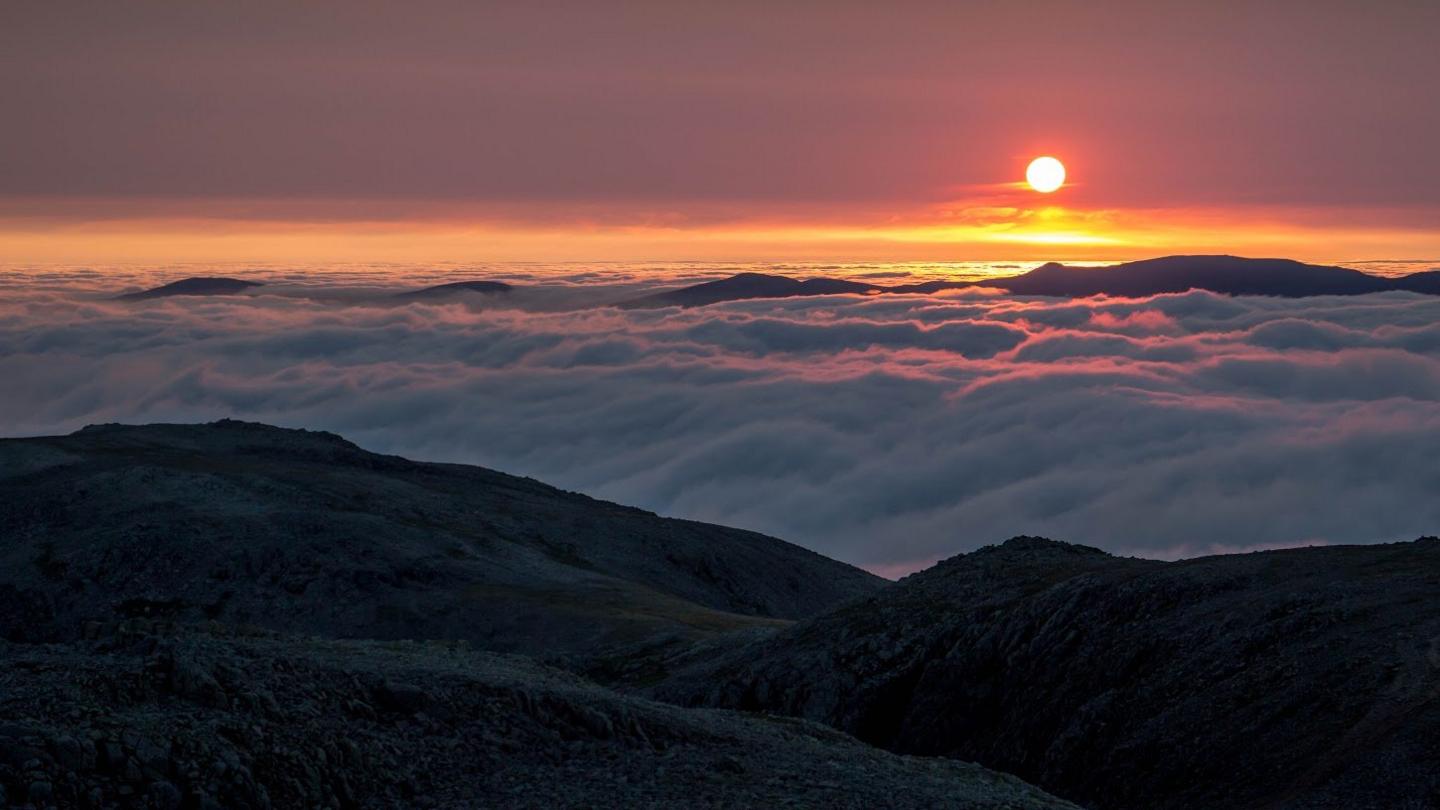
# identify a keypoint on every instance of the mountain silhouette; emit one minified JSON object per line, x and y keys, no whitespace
{"x":197,"y":285}
{"x":457,"y":288}
{"x":745,"y":286}
{"x":1226,"y":275}
{"x":1427,"y":282}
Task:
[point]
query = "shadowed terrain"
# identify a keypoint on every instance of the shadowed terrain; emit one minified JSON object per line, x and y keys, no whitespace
{"x":1298,"y":679}
{"x":245,"y":616}
{"x":166,"y":594}
{"x":198,"y":285}
{"x":146,"y":718}
{"x":1226,"y":275}
{"x":303,"y":531}
{"x":745,"y":286}
{"x":455,"y":288}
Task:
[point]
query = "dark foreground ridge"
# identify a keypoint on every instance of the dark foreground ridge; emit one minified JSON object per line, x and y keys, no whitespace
{"x":1303,"y":678}
{"x":243,"y":616}
{"x":1226,"y":275}
{"x":305,"y":532}
{"x":199,"y":285}
{"x":171,"y":598}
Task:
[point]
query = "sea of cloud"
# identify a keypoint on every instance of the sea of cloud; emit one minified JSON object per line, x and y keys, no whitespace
{"x":887,"y":431}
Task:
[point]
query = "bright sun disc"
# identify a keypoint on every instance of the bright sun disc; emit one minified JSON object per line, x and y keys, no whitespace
{"x":1045,"y":174}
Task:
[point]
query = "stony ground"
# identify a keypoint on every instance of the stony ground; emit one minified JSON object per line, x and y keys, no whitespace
{"x":162,"y":717}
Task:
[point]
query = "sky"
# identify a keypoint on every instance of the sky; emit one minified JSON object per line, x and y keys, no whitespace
{"x":748,"y":131}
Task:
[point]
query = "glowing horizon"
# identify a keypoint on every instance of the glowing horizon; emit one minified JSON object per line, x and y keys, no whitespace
{"x":745,"y":133}
{"x":973,"y":230}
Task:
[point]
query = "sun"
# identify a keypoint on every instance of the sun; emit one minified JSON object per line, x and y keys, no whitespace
{"x":1045,"y":174}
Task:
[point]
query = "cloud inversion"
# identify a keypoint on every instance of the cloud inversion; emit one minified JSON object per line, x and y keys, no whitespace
{"x":887,"y":432}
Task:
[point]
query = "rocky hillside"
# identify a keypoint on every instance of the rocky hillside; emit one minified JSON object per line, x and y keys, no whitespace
{"x":304,"y":532}
{"x":1303,"y":678}
{"x":145,"y":719}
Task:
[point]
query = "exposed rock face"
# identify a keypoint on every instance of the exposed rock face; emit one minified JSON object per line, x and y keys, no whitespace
{"x":141,"y":721}
{"x":305,"y":532}
{"x":199,"y":285}
{"x":1299,"y":679}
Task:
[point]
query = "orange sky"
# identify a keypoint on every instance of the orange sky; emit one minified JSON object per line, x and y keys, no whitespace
{"x":366,"y":130}
{"x":1041,"y":228}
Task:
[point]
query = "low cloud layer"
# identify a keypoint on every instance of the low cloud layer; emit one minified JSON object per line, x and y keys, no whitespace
{"x":888,"y":432}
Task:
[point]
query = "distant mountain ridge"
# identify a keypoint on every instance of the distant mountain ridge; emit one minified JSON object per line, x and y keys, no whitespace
{"x":743,"y":286}
{"x":1227,"y":275}
{"x":220,"y":285}
{"x":197,"y":285}
{"x":457,"y":288}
